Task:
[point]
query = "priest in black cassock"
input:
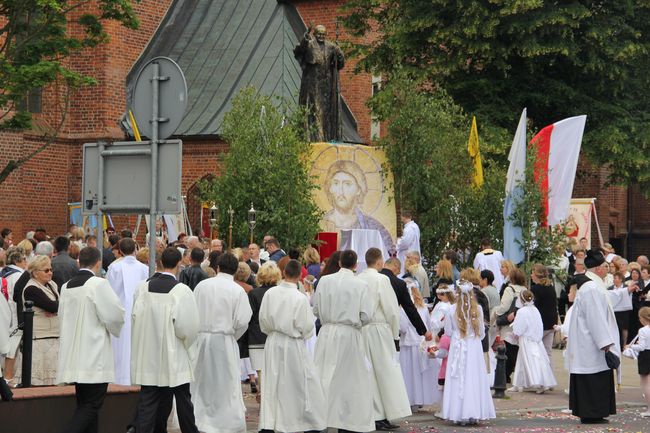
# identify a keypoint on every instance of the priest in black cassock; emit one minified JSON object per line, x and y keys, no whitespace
{"x":592,"y":333}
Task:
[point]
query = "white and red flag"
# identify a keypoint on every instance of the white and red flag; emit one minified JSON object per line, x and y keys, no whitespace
{"x":558,"y":149}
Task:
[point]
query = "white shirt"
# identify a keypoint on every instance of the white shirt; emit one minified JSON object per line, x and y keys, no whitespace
{"x":410,"y":241}
{"x":491,"y":260}
{"x":620,"y":298}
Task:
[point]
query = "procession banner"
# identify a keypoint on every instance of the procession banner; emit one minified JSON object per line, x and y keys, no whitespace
{"x":355,"y":191}
{"x":578,"y":223}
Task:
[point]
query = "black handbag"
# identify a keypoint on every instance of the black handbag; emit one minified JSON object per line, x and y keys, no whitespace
{"x":612,"y":360}
{"x":502,"y":319}
{"x":5,"y":390}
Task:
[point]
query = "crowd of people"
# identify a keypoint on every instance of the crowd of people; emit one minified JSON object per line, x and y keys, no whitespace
{"x":317,"y":340}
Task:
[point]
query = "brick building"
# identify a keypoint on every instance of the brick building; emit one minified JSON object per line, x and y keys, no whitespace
{"x":222,"y":45}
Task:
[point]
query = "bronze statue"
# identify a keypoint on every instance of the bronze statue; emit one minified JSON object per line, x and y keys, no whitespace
{"x":320,"y":61}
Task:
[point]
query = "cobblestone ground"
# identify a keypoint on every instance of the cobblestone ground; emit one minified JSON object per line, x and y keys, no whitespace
{"x":522,"y":412}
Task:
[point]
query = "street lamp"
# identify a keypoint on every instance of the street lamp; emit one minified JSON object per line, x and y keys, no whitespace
{"x":231,"y":212}
{"x":213,"y":219}
{"x":252,"y":214}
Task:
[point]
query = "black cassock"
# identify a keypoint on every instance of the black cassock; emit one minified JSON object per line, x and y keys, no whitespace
{"x":592,"y":395}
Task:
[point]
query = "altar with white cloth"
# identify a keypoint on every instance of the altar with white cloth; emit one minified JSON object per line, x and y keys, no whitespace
{"x":359,"y":241}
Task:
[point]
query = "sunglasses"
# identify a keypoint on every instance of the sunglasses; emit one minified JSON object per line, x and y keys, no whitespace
{"x":48,"y":270}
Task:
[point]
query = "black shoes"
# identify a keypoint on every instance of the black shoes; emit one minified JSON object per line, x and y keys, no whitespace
{"x":594,"y":420}
{"x":385,"y":425}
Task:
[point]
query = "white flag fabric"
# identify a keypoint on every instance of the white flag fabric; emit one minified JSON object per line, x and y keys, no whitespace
{"x":558,"y":148}
{"x":512,"y":237}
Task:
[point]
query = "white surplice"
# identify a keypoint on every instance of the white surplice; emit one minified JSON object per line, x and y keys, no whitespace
{"x":592,"y":327}
{"x":292,"y":396}
{"x":165,"y":326}
{"x":420,"y":372}
{"x":533,"y":368}
{"x":410,"y":241}
{"x":342,"y":307}
{"x":224,"y":313}
{"x":5,"y":322}
{"x":88,"y":316}
{"x":467,"y":393}
{"x":124,"y":276}
{"x":490,"y":259}
{"x":390,"y":399}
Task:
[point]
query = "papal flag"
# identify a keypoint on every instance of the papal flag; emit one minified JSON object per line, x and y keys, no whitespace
{"x":475,"y":154}
{"x":512,"y":234}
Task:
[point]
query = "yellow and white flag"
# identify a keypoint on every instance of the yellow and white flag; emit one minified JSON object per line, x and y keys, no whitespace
{"x":475,"y":154}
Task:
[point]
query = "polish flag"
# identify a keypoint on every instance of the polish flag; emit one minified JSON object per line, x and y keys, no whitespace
{"x":558,"y":149}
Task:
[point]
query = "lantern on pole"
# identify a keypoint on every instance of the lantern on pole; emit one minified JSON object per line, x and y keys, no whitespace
{"x":252,"y":215}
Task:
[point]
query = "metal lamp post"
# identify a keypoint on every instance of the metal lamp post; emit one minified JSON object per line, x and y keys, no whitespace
{"x":213,"y":219}
{"x":231,"y":212}
{"x":252,"y":215}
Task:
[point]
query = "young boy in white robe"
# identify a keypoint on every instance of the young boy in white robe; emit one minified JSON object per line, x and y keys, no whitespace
{"x":390,"y":399}
{"x":89,"y":313}
{"x":419,"y":370}
{"x":341,"y":305}
{"x":533,"y":369}
{"x":292,"y":396}
{"x":224,"y":313}
{"x":165,"y":325}
{"x":467,"y":398}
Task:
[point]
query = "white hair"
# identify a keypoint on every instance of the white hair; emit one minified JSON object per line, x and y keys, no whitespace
{"x":44,"y":248}
{"x":190,"y":239}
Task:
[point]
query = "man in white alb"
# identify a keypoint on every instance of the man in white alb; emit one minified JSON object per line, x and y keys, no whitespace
{"x":489,"y":259}
{"x":410,"y":240}
{"x":390,"y":400}
{"x":224,"y":313}
{"x":341,"y":304}
{"x":292,"y":396}
{"x":124,"y":276}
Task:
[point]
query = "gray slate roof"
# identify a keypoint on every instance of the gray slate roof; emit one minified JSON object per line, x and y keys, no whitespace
{"x":223,"y":46}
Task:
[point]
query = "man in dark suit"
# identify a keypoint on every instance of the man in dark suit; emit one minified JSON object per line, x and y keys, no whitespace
{"x":193,"y":275}
{"x":391,"y":269}
{"x":63,"y":266}
{"x":108,"y":256}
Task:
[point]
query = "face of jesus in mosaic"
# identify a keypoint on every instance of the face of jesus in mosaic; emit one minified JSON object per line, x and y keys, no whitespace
{"x":344,"y":191}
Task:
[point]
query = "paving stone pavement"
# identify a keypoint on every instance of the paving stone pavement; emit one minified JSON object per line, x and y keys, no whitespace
{"x":525,"y":412}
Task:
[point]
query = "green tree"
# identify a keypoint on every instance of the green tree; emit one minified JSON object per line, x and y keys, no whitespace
{"x":495,"y":57}
{"x":426,"y":148}
{"x":35,"y":42}
{"x":267,"y":164}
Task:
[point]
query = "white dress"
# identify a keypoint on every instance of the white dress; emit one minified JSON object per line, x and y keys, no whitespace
{"x":533,"y":368}
{"x":410,"y":241}
{"x":420,"y":372}
{"x":292,"y":396}
{"x":467,"y":394}
{"x":224,"y":313}
{"x":124,"y":276}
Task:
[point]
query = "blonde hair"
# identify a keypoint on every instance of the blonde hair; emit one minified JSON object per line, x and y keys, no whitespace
{"x":243,"y":272}
{"x":73,"y":251}
{"x":467,"y":310}
{"x":311,"y":256}
{"x":644,"y":313}
{"x":418,"y":301}
{"x":444,"y":270}
{"x":471,"y":275}
{"x":269,"y":274}
{"x":143,"y":255}
{"x":237,"y":252}
{"x":508,"y":265}
{"x":541,"y":273}
{"x":38,"y":264}
{"x":27,"y":246}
